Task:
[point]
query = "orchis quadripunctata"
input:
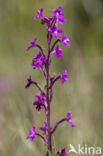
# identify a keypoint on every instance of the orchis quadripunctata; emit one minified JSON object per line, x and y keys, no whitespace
{"x":43,"y":62}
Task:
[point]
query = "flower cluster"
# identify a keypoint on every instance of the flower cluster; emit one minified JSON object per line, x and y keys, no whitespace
{"x":52,"y":24}
{"x":42,"y":61}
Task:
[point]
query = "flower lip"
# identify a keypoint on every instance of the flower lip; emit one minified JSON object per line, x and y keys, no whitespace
{"x":69,"y":117}
{"x":32,"y":133}
{"x":64,"y":76}
{"x":65,"y":40}
{"x":39,"y":14}
{"x":33,"y":44}
{"x":59,"y":52}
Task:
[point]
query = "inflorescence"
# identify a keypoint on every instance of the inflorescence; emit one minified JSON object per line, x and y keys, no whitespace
{"x":43,"y":62}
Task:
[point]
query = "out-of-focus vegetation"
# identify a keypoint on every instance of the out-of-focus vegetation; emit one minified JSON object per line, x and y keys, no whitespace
{"x":82,"y":94}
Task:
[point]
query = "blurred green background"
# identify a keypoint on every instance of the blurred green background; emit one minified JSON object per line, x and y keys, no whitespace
{"x":82,"y":94}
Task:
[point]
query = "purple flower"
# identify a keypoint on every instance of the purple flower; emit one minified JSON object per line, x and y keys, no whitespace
{"x":32,"y":44}
{"x":38,"y":61}
{"x":65,"y":40}
{"x":69,"y":117}
{"x":44,"y":129}
{"x":59,"y":52}
{"x":58,"y":12}
{"x":58,"y":15}
{"x":46,"y":20}
{"x":40,"y":14}
{"x":61,"y":20}
{"x":64,"y":77}
{"x":40,"y":102}
{"x":55,"y":31}
{"x":62,"y":152}
{"x":32,"y":133}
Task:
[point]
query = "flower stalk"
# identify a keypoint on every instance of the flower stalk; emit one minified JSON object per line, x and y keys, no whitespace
{"x":43,"y":63}
{"x":48,"y":101}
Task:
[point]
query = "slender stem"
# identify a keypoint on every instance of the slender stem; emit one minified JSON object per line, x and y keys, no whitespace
{"x":51,"y":87}
{"x":57,"y":124}
{"x":36,"y":84}
{"x":48,"y":103}
{"x":38,"y":46}
{"x":44,"y":72}
{"x":57,"y":78}
{"x":43,"y":138}
{"x":51,"y":95}
{"x":54,"y":45}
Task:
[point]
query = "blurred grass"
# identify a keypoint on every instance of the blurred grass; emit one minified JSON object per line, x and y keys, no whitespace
{"x":82,"y":94}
